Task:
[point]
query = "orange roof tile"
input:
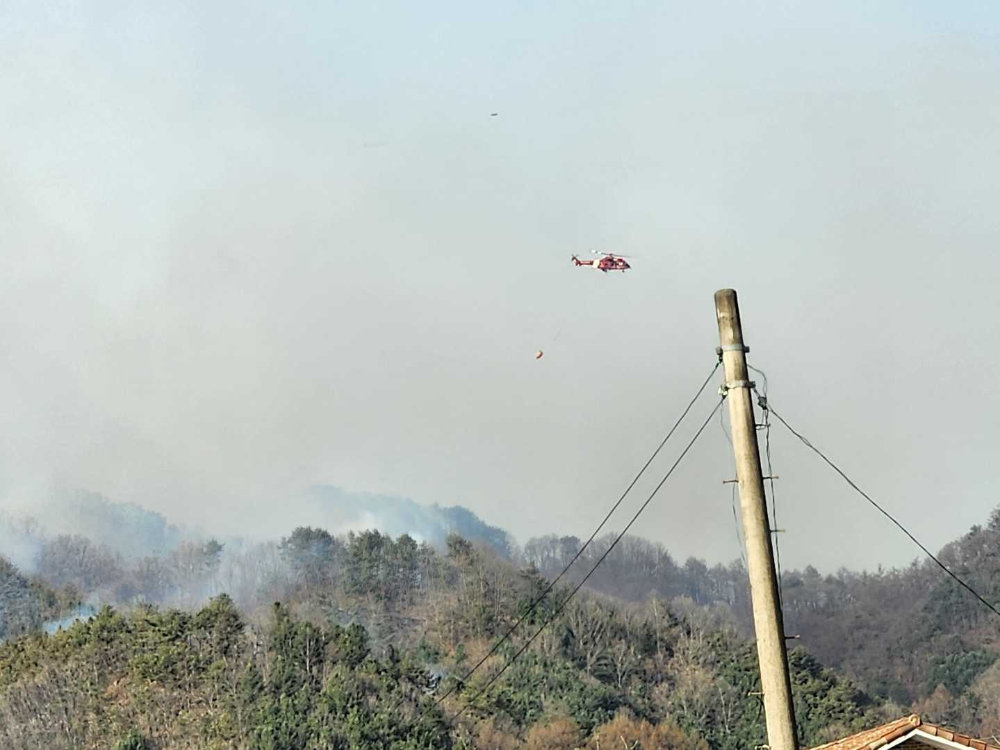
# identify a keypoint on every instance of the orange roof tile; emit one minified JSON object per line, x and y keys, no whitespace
{"x":872,"y":739}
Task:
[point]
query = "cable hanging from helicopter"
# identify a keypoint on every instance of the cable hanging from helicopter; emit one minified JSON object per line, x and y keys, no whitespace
{"x":607,"y":262}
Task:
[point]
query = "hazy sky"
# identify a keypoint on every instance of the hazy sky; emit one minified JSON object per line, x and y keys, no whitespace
{"x":248,"y":247}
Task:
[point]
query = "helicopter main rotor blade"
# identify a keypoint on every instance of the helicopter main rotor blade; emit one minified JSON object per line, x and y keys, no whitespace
{"x":612,"y":255}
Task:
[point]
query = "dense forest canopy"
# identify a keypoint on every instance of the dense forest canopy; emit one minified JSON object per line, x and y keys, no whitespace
{"x":326,"y":640}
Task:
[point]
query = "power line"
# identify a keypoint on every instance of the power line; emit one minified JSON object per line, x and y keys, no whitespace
{"x":736,"y":520}
{"x":885,"y":513}
{"x":600,"y":560}
{"x":775,"y":529}
{"x":762,"y":402}
{"x":722,"y":424}
{"x":739,"y":536}
{"x":534,"y":605}
{"x":761,"y":373}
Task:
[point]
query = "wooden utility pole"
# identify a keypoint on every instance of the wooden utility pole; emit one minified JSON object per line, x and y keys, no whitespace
{"x":767,"y":620}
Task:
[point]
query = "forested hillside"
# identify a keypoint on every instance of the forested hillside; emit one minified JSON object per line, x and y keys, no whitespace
{"x":661,"y":675}
{"x":909,"y":636}
{"x":327,"y":641}
{"x":25,"y":605}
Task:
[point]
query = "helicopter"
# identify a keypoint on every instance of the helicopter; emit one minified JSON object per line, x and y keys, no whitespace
{"x":610,"y":262}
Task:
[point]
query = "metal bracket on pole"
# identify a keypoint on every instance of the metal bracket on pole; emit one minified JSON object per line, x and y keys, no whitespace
{"x":731,"y":348}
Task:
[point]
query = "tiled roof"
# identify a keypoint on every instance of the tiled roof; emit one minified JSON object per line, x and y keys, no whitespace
{"x":872,"y":739}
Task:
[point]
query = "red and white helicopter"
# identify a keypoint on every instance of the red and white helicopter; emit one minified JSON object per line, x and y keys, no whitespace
{"x":610,"y":262}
